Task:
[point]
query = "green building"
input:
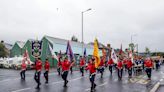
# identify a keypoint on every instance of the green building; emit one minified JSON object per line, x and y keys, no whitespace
{"x":28,"y":47}
{"x":17,"y":49}
{"x":60,"y":45}
{"x":50,"y":46}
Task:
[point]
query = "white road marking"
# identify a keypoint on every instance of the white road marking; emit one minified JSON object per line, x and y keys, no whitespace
{"x":9,"y":80}
{"x":161,"y":80}
{"x":5,"y":80}
{"x":19,"y":90}
{"x":58,"y":82}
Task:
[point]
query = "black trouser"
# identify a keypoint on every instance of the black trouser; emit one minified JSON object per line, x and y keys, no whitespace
{"x":120,"y":73}
{"x":64,"y":77}
{"x":130,"y":72}
{"x":101,"y":70}
{"x":46,"y":76}
{"x":143,"y":67}
{"x":71,"y":70}
{"x":157,"y":66}
{"x":92,"y":80}
{"x":58,"y":71}
{"x":148,"y":71}
{"x":22,"y":74}
{"x":125,"y":67}
{"x":82,"y":70}
{"x":110,"y":69}
{"x":37,"y":78}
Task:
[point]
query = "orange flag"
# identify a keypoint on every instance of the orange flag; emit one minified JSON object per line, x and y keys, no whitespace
{"x":96,"y":53}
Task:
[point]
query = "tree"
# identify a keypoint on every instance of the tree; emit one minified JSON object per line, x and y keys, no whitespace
{"x":131,"y":45}
{"x":74,"y":38}
{"x":3,"y":52}
{"x":147,"y":50}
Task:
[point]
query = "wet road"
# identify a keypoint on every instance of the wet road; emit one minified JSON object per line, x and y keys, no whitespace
{"x":10,"y":82}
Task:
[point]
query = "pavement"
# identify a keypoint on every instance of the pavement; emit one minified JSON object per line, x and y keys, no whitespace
{"x":10,"y":82}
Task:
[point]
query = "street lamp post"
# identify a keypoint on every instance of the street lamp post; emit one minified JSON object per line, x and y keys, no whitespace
{"x":132,"y":42}
{"x":82,"y":28}
{"x":132,"y":37}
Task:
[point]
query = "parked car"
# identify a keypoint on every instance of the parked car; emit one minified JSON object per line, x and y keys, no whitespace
{"x":1,"y":62}
{"x":18,"y":61}
{"x":6,"y":63}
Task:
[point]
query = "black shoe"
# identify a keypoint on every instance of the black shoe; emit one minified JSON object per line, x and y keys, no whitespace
{"x":46,"y":82}
{"x":92,"y":89}
{"x":37,"y":87}
{"x":67,"y":82}
{"x":95,"y":85}
{"x":65,"y":86}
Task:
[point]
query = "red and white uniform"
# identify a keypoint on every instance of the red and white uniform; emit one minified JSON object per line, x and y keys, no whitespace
{"x":66,"y":65}
{"x":119,"y":65}
{"x":23,"y":66}
{"x":125,"y":61}
{"x":129,"y":64}
{"x":110,"y":62}
{"x":82,"y":63}
{"x":38,"y":65}
{"x":47,"y":66}
{"x":148,"y":64}
{"x":101,"y":63}
{"x":91,"y":68}
{"x":59,"y":64}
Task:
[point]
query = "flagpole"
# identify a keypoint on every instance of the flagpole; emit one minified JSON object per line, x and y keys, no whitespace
{"x":82,"y":13}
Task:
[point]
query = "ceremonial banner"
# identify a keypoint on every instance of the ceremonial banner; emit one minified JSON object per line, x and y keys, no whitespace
{"x":96,"y":53}
{"x":114,"y":56}
{"x":36,"y":48}
{"x":53,"y":55}
{"x":69,"y":52}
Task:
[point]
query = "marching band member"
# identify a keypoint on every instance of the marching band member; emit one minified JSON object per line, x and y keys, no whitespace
{"x":46,"y":67}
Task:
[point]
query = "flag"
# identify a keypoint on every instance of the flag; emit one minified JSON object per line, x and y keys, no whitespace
{"x":104,"y":53}
{"x":85,"y":53}
{"x":52,"y":53}
{"x":26,"y":57}
{"x":120,"y":52}
{"x":131,"y":55}
{"x":69,"y":52}
{"x":60,"y":54}
{"x":107,"y":54}
{"x":113,"y":56}
{"x":96,"y":53}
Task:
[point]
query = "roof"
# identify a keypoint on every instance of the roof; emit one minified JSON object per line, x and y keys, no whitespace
{"x":20,"y":44}
{"x":60,"y":44}
{"x":31,"y":40}
{"x":64,"y":42}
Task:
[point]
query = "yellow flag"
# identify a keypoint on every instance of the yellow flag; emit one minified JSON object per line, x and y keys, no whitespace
{"x":96,"y":53}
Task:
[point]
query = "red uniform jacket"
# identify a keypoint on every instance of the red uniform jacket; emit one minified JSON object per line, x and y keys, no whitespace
{"x":38,"y":65}
{"x":125,"y":62}
{"x":129,"y":64}
{"x":47,"y":66}
{"x":66,"y":65}
{"x":23,"y":66}
{"x":91,"y":68}
{"x":119,"y":65}
{"x":148,"y":64}
{"x":110,"y":62}
{"x":82,"y":62}
{"x":59,"y":64}
{"x":101,"y":63}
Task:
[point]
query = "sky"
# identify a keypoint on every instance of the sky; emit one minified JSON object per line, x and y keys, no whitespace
{"x":110,"y":21}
